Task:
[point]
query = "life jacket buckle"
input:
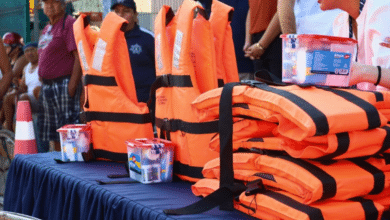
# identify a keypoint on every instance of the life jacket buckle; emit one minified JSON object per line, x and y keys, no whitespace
{"x":254,"y":187}
{"x":166,"y":80}
{"x":166,"y":125}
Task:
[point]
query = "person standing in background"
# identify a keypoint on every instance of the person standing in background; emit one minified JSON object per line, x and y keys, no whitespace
{"x":60,"y":70}
{"x":140,"y":43}
{"x":266,"y":55}
{"x":305,"y":17}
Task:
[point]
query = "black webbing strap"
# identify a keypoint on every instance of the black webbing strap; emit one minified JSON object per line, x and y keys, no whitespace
{"x":329,"y":185}
{"x":167,"y":80}
{"x":186,"y":170}
{"x":173,"y":125}
{"x":378,"y":175}
{"x":99,"y":80}
{"x":223,"y":197}
{"x":386,"y":141}
{"x":209,"y":202}
{"x":312,"y":212}
{"x":343,"y":143}
{"x":120,"y":157}
{"x":370,"y":211}
{"x":226,"y":142}
{"x":372,"y":113}
{"x":118,"y":117}
{"x":319,"y":118}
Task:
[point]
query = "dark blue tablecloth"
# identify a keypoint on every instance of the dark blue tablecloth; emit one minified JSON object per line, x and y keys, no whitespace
{"x":38,"y":186}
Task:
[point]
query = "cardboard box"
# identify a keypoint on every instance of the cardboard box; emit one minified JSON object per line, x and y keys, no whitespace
{"x":150,"y":160}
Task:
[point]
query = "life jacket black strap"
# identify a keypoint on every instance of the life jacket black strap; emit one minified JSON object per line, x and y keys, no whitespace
{"x":329,"y":185}
{"x":312,"y":212}
{"x":318,"y":117}
{"x":343,"y":142}
{"x":386,"y":141}
{"x":379,"y":176}
{"x":118,"y":117}
{"x":217,"y":198}
{"x":173,"y":125}
{"x":370,"y":211}
{"x":99,"y":80}
{"x":186,"y":170}
{"x":119,"y":157}
{"x":223,"y":197}
{"x":226,"y":142}
{"x":372,"y":113}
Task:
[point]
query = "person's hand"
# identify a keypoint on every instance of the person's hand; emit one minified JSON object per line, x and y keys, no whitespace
{"x":246,"y":45}
{"x":254,"y":52}
{"x":354,"y":75}
{"x":386,"y":42}
{"x":36,"y":92}
{"x":71,"y":88}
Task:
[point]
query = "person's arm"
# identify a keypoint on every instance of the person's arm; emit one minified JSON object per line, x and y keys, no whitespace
{"x":368,"y":73}
{"x":286,"y":16}
{"x":22,"y":85}
{"x":248,"y":41}
{"x":76,"y":75}
{"x":20,"y":63}
{"x":273,"y":30}
{"x":6,"y":71}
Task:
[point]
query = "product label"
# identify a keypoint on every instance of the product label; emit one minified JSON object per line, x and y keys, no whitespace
{"x":328,"y":62}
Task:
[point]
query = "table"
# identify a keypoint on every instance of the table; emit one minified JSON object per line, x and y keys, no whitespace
{"x":40,"y":187}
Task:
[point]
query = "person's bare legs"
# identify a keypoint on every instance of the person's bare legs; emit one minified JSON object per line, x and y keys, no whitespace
{"x":9,"y":109}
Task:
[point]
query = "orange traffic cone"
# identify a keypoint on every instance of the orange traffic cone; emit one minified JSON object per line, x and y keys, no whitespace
{"x":24,"y":132}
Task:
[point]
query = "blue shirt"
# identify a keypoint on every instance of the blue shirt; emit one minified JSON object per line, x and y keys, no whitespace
{"x":140,"y":43}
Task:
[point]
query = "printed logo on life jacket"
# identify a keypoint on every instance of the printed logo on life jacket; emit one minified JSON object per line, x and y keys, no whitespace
{"x":136,"y":49}
{"x":161,"y":100}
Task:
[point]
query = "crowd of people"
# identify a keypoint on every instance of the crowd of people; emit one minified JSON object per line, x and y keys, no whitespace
{"x":48,"y":72}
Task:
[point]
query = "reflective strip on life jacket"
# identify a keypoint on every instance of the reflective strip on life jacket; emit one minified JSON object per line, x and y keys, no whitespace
{"x":306,"y":112}
{"x":312,"y":180}
{"x":113,"y":111}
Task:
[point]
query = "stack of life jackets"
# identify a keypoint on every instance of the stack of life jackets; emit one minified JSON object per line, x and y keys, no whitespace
{"x":194,"y":54}
{"x":325,"y":157}
{"x":111,"y":104}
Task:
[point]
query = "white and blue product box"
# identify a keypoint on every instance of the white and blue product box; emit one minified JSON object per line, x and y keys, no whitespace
{"x":75,"y":139}
{"x":317,"y":59}
{"x":150,"y":160}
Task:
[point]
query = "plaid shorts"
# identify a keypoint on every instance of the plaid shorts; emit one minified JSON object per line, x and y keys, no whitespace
{"x":57,"y":109}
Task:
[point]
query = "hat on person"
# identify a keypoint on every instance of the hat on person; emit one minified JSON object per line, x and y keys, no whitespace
{"x":127,"y":3}
{"x":30,"y":44}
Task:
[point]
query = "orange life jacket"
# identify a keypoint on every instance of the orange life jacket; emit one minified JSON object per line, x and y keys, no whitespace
{"x":252,"y":134}
{"x":310,"y":181}
{"x":111,"y":104}
{"x":220,"y":19}
{"x":303,"y":112}
{"x":164,"y":30}
{"x":194,"y":71}
{"x":267,"y":204}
